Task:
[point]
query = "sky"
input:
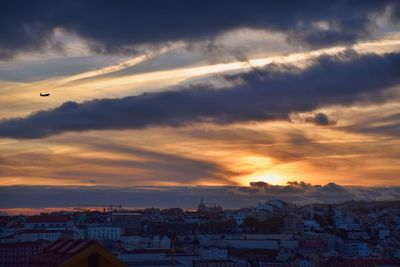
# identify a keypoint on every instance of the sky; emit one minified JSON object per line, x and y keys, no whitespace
{"x":207,"y":97}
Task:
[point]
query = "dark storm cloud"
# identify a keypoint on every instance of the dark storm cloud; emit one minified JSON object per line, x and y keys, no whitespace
{"x":319,"y":119}
{"x":271,"y":93}
{"x":186,"y":197}
{"x":28,"y":25}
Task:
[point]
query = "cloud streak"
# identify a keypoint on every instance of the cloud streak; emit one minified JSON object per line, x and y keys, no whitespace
{"x":113,"y":68}
{"x":271,"y":93}
{"x":102,"y":160}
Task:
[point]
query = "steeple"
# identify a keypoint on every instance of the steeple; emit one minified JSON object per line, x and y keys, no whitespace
{"x":202,"y":206}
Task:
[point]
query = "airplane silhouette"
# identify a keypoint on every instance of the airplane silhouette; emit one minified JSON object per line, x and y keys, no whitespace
{"x":47,"y":94}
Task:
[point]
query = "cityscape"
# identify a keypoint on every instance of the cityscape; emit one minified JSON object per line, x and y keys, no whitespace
{"x":272,"y":233}
{"x":199,"y":133}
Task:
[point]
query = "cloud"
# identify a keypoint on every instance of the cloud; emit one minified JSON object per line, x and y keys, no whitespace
{"x":384,"y":126}
{"x":187,"y":196}
{"x":319,"y":119}
{"x":128,"y":165}
{"x":305,"y":193}
{"x":272,"y":93}
{"x":116,"y":27}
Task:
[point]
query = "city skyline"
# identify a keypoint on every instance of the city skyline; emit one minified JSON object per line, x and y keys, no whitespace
{"x":199,"y":133}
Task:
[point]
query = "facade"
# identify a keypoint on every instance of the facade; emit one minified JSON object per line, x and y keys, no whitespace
{"x":19,"y":254}
{"x":163,"y":242}
{"x":104,"y":232}
{"x":50,"y":221}
{"x":158,"y":257}
{"x":39,"y":234}
{"x":127,"y":220}
{"x":240,"y":217}
{"x":214,"y":253}
{"x":210,"y":208}
{"x":143,"y":256}
{"x":293,"y":224}
{"x":253,"y":244}
{"x":219,"y":263}
{"x":265,"y":207}
{"x":130,"y":242}
{"x":356,"y":248}
{"x":312,"y":246}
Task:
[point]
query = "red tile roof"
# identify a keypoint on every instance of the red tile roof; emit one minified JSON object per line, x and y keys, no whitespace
{"x":60,"y":251}
{"x":24,"y":244}
{"x":48,"y":219}
{"x":38,"y":231}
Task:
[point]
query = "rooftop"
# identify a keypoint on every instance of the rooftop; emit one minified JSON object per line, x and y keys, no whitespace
{"x":62,"y":251}
{"x":48,"y":219}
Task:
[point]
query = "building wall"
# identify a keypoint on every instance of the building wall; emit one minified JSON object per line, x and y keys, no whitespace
{"x":98,"y":233}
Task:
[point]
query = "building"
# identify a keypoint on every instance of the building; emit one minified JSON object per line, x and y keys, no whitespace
{"x":143,"y":256}
{"x":210,"y":208}
{"x":158,"y":257}
{"x":219,"y":263}
{"x":311,"y":224}
{"x":367,"y":262}
{"x":349,"y":224}
{"x":263,"y":206}
{"x":104,"y":232}
{"x":312,"y":246}
{"x":358,"y":235}
{"x":381,"y":231}
{"x":130,"y":242}
{"x":251,"y":243}
{"x":41,"y":234}
{"x":293,"y":224}
{"x":356,"y":248}
{"x":240,"y":217}
{"x":19,"y":254}
{"x":48,"y":221}
{"x":127,"y":220}
{"x":75,"y":253}
{"x":163,"y":242}
{"x":214,"y":253}
{"x":184,"y":259}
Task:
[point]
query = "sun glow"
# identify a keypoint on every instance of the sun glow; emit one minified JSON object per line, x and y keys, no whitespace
{"x":269,"y":177}
{"x":260,"y":168}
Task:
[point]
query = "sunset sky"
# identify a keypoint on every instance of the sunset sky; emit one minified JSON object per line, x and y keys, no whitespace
{"x":199,"y":93}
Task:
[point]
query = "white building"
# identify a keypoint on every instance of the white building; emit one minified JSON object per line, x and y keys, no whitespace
{"x":49,"y":222}
{"x":356,"y":248}
{"x":214,"y":253}
{"x":132,"y":242}
{"x":311,"y":224}
{"x":184,"y":259}
{"x":163,"y":242}
{"x":264,"y":207}
{"x":248,"y":243}
{"x":142,"y":256}
{"x":78,"y":233}
{"x":37,"y":234}
{"x":381,"y":231}
{"x":104,"y":232}
{"x":240,"y":217}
